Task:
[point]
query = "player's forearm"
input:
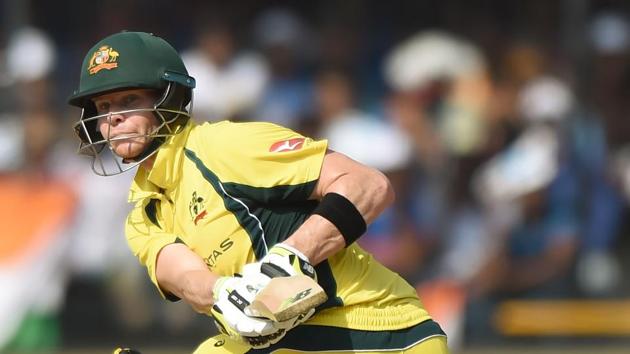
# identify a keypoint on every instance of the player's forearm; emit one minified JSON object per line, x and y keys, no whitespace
{"x":184,"y":274}
{"x":367,"y":189}
{"x":317,"y":239}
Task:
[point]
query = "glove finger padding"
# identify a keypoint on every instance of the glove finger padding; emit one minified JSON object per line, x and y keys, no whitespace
{"x":265,"y":341}
{"x":257,"y":342}
{"x":232,"y":296}
{"x":261,"y":342}
{"x":283,"y":261}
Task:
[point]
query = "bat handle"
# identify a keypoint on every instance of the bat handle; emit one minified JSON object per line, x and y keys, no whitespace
{"x":273,"y":271}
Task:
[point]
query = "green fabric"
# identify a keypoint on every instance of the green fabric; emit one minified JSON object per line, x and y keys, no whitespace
{"x":324,"y":338}
{"x":38,"y":332}
{"x":129,"y":60}
{"x":151,"y":210}
{"x":239,"y":209}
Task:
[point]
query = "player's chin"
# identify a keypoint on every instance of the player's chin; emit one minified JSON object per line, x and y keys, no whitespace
{"x":129,"y":148}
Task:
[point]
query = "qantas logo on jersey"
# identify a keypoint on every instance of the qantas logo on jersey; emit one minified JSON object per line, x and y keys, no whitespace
{"x":225,"y":245}
{"x":287,"y":145}
{"x":197,"y":208}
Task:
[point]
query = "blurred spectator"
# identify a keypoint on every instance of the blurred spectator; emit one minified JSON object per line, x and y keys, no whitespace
{"x":283,"y":39}
{"x":98,"y":253}
{"x":25,"y":68}
{"x":531,"y":212}
{"x":37,"y":211}
{"x":393,"y":238}
{"x":334,"y":101}
{"x":545,"y":195}
{"x":441,"y":99}
{"x":600,"y":134}
{"x":38,"y":207}
{"x":446,"y":76}
{"x":608,"y":85}
{"x":339,"y":43}
{"x":229,"y":83}
{"x":31,"y":58}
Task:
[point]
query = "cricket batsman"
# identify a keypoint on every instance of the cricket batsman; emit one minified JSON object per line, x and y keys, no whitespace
{"x":221,"y":208}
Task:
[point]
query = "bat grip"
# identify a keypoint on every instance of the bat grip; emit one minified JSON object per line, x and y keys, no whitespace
{"x":273,"y":271}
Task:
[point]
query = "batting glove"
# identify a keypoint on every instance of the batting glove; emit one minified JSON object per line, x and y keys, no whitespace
{"x":232,"y":295}
{"x":125,"y":351}
{"x":282,"y":261}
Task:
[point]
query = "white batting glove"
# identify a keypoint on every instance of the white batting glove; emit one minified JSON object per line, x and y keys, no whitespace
{"x":232,"y":295}
{"x":281,"y":261}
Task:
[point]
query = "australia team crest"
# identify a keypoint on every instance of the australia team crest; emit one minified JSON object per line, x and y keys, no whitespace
{"x":197,"y":208}
{"x":105,"y":57}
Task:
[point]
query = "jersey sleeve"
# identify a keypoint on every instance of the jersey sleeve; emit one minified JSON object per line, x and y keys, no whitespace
{"x":264,"y":161}
{"x":146,"y":237}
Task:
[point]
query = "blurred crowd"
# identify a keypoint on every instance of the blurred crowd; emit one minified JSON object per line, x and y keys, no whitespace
{"x":502,"y":125}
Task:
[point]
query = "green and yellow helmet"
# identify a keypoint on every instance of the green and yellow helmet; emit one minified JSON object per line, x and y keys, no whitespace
{"x":131,"y":60}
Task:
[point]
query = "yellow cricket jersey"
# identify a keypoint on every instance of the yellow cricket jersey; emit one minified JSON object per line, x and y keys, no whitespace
{"x":230,"y":191}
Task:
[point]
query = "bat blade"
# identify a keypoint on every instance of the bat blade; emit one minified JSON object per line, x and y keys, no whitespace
{"x":287,"y":297}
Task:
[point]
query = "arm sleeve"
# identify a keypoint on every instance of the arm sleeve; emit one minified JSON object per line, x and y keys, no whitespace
{"x":146,"y":238}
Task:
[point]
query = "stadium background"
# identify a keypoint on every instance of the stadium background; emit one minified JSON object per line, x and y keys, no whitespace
{"x":503,"y":124}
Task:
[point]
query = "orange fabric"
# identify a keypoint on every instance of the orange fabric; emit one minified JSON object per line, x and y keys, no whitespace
{"x":444,"y":299}
{"x":31,"y":215}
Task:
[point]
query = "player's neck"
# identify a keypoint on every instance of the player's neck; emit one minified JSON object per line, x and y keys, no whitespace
{"x":148,"y":163}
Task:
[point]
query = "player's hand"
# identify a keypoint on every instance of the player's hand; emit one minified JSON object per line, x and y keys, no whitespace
{"x":265,"y":341}
{"x":282,"y":261}
{"x":232,"y":295}
{"x":125,"y":351}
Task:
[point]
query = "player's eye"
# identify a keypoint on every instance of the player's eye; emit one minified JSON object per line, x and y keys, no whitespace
{"x":130,"y":101}
{"x":102,"y":107}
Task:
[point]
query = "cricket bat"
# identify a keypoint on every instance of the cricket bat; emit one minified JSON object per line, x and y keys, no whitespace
{"x":287,"y":297}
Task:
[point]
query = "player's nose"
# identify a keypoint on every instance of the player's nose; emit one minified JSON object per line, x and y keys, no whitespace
{"x":116,"y":118}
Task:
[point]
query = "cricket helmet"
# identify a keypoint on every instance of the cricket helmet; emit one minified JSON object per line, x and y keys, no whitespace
{"x":131,"y":60}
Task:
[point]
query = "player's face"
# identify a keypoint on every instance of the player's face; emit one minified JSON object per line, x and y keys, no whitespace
{"x":127,"y":130}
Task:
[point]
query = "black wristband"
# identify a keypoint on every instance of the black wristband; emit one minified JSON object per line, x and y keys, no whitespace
{"x":343,"y":214}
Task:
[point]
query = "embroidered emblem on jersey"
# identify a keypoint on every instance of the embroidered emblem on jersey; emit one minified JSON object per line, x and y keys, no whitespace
{"x":105,"y":57}
{"x":197,"y":208}
{"x":287,"y":145}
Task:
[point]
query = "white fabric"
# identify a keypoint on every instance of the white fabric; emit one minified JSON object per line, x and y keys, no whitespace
{"x":12,"y":137}
{"x":222,"y":92}
{"x":545,"y":99}
{"x":36,"y":283}
{"x":235,"y":318}
{"x":529,"y":164}
{"x":610,"y":33}
{"x":429,"y":56}
{"x":30,"y":55}
{"x":98,"y":231}
{"x":369,"y":141}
